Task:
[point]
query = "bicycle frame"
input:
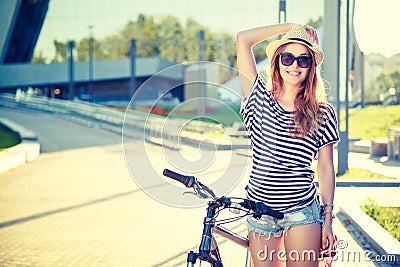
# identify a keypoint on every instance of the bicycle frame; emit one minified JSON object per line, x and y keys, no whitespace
{"x":236,"y":238}
{"x":208,"y":249}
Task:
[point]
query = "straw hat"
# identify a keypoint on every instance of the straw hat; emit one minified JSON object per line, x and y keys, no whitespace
{"x":301,"y":34}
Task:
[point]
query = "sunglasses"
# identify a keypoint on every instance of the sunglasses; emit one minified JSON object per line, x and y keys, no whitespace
{"x":287,"y":59}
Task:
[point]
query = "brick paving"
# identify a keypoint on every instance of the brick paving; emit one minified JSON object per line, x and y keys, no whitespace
{"x":80,"y":207}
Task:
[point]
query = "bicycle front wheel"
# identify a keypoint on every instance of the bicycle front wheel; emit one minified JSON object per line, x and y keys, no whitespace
{"x":249,"y":261}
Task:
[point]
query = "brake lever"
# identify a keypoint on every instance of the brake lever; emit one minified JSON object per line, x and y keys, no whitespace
{"x":196,"y":193}
{"x":200,"y":194}
{"x":201,"y":190}
{"x":207,"y":189}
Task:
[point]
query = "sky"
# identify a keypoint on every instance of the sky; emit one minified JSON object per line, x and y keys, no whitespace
{"x":374,"y":21}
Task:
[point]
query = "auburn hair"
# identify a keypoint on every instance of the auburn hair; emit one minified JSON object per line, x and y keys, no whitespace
{"x":307,"y":115}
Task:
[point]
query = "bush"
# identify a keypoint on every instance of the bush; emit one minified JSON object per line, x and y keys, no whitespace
{"x":8,"y":138}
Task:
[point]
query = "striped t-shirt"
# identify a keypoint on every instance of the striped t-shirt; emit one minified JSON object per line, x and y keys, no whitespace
{"x":281,"y":174}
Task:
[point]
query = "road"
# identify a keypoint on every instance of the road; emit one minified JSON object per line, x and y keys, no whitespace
{"x":56,"y":134}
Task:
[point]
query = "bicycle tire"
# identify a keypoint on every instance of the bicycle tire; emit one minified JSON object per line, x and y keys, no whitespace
{"x":249,"y":261}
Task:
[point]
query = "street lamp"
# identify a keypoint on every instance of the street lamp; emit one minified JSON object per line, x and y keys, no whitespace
{"x":71,"y":69}
{"x":282,"y":11}
{"x":132,"y":48}
{"x":90,"y":44}
{"x":201,"y":109}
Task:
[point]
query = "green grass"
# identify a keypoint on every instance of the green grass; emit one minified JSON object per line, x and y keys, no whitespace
{"x":372,"y":122}
{"x":387,"y":217}
{"x":8,"y":138}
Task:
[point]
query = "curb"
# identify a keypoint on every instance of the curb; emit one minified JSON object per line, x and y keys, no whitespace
{"x":376,"y":235}
{"x":360,"y":146}
{"x":366,"y":182}
{"x":18,"y":155}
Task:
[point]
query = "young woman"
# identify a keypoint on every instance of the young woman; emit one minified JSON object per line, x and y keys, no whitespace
{"x":289,"y":123}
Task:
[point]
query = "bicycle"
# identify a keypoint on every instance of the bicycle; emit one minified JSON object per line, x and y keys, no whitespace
{"x":208,"y":248}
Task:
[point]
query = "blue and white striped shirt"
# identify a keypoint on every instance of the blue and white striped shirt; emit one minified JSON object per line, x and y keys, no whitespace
{"x":281,"y":174}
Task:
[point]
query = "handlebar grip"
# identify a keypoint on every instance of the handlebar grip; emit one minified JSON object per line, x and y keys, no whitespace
{"x":184,"y":179}
{"x":262,"y":209}
{"x":275,"y":213}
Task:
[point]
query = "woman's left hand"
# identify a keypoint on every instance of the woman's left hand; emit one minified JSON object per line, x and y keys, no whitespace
{"x":328,"y":238}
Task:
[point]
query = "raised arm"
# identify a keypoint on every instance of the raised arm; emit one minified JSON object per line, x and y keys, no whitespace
{"x":245,"y":40}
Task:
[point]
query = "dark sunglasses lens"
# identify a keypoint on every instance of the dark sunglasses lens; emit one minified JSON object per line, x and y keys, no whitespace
{"x":287,"y":59}
{"x":304,"y":62}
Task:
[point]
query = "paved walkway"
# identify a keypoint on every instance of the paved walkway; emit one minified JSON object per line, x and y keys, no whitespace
{"x":81,"y":207}
{"x":382,"y":165}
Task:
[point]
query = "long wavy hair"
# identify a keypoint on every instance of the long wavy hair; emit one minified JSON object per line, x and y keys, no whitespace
{"x":307,"y":115}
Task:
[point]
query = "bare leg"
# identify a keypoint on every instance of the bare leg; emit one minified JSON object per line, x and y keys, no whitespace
{"x":302,"y":245}
{"x":266,"y":252}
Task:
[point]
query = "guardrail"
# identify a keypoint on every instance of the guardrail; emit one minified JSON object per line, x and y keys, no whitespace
{"x":136,"y":124}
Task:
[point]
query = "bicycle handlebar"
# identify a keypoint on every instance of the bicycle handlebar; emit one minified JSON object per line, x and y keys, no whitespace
{"x":188,"y":181}
{"x":259,"y":208}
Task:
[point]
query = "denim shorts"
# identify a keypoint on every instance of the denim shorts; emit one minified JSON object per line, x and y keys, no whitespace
{"x":268,"y":225}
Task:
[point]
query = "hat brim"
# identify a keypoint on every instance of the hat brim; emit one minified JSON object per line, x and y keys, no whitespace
{"x":274,"y":45}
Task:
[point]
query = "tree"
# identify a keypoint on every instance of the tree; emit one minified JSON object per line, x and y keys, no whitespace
{"x":38,"y":57}
{"x":83,"y":50}
{"x":382,"y":83}
{"x":171,"y":39}
{"x":165,"y":36}
{"x":315,"y":23}
{"x":61,"y":54}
